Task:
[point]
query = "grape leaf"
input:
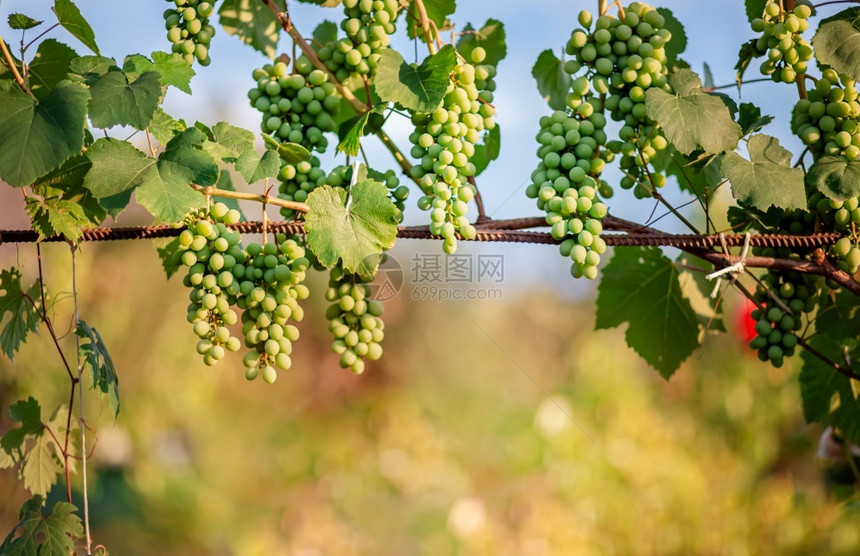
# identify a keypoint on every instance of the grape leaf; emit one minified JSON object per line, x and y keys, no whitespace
{"x":227,"y":143}
{"x":487,"y":151}
{"x":420,"y":88}
{"x":367,"y":226}
{"x":820,"y":384}
{"x":66,"y":183}
{"x":49,"y":66}
{"x":255,"y":168}
{"x":164,"y":127}
{"x":291,"y":153}
{"x":697,"y":173}
{"x":252,"y":23}
{"x":767,"y":179}
{"x":640,"y":286}
{"x":552,"y":81}
{"x":678,"y":43}
{"x":98,"y":361}
{"x":43,"y":534}
{"x":41,"y":466}
{"x":21,"y":21}
{"x":162,"y":184}
{"x":71,"y":19}
{"x":171,"y":68}
{"x":88,"y":69}
{"x":170,"y":255}
{"x":691,"y":118}
{"x":839,"y":319}
{"x":750,"y":118}
{"x":491,"y":37}
{"x":38,"y":136}
{"x":754,"y":8}
{"x":709,"y":77}
{"x":117,"y":100}
{"x":746,"y":54}
{"x":53,"y":215}
{"x":837,"y":44}
{"x":23,"y":317}
{"x":325,"y":33}
{"x":351,"y":131}
{"x":835,"y":177}
{"x":29,"y":414}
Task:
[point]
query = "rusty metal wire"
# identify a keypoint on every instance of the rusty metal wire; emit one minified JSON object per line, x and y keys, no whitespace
{"x":683,"y":241}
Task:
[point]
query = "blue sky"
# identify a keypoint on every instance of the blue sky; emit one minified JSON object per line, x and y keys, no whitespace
{"x":715,"y":32}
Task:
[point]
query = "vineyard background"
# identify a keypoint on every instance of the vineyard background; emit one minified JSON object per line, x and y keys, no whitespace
{"x":450,"y":442}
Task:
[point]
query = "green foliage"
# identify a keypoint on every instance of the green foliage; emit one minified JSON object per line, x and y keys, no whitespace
{"x":488,"y":151}
{"x":38,"y":135}
{"x":754,"y":8}
{"x":69,"y":16}
{"x":837,"y":44}
{"x":553,"y":82}
{"x":324,"y":33}
{"x":115,"y":99}
{"x":490,"y":37}
{"x":99,"y":363}
{"x":165,"y":127}
{"x":767,"y":179}
{"x":437,"y":12}
{"x":32,"y":446}
{"x":828,"y":396}
{"x":20,"y":304}
{"x":255,"y":168}
{"x":835,"y":177}
{"x":355,"y":231}
{"x":640,"y":287}
{"x":172,"y":69}
{"x":252,"y":23}
{"x":750,"y":118}
{"x":52,"y":215}
{"x":691,"y":118}
{"x":49,"y":66}
{"x":21,"y":21}
{"x":42,"y":534}
{"x":225,"y":142}
{"x":291,"y":153}
{"x":416,"y":87}
{"x":359,"y":126}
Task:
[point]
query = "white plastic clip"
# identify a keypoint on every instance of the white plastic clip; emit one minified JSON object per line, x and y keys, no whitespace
{"x":732,"y":269}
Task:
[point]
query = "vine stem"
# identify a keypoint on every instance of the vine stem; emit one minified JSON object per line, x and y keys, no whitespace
{"x":836,"y":2}
{"x":14,"y":69}
{"x":213,"y":191}
{"x":424,"y":21}
{"x":81,"y":422}
{"x":656,"y":194}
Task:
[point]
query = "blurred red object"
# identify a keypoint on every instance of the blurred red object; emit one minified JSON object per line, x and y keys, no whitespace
{"x":744,"y":323}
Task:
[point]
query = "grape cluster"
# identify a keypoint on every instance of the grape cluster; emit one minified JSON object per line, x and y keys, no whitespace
{"x":566,"y":183}
{"x":781,"y":40}
{"x":827,"y":120}
{"x":212,"y":252}
{"x":841,"y":216}
{"x":444,"y":141}
{"x":298,"y":107}
{"x":776,"y":329}
{"x":367,"y":24}
{"x":341,"y":176}
{"x":297,"y":181}
{"x":271,"y":286}
{"x":189,"y":30}
{"x":621,"y":59}
{"x":354,"y":320}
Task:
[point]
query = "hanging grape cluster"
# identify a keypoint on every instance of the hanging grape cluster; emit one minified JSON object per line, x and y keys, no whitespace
{"x":827,"y":120}
{"x":189,"y":30}
{"x":367,"y":24}
{"x":354,"y":320}
{"x":211,"y":252}
{"x":782,"y":41}
{"x":298,"y":107}
{"x":444,"y":141}
{"x":621,"y":59}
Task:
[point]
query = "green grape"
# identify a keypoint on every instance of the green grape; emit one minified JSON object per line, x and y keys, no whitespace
{"x":189,"y":31}
{"x":212,"y":296}
{"x":354,"y":319}
{"x":368,"y":26}
{"x":296,"y":108}
{"x":567,"y":183}
{"x":782,"y":42}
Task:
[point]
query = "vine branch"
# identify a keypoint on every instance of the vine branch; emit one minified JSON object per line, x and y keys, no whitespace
{"x":213,"y":191}
{"x":14,"y":69}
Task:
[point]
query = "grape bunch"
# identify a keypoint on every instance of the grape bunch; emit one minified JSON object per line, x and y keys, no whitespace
{"x":341,"y":176}
{"x":782,"y":41}
{"x":271,"y":287}
{"x":367,"y":24}
{"x":567,"y":182}
{"x":840,"y":216}
{"x":621,"y":59}
{"x":298,"y":107}
{"x":189,"y":30}
{"x":297,"y":181}
{"x":444,"y":140}
{"x":212,"y":253}
{"x":827,"y":120}
{"x":354,"y":320}
{"x":776,"y":329}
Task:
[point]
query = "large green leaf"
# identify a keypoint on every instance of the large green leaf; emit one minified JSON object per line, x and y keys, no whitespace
{"x":41,"y":466}
{"x":691,"y":118}
{"x":837,"y":44}
{"x":640,"y":287}
{"x":39,"y":534}
{"x":354,"y":233}
{"x":97,"y":360}
{"x":767,"y":179}
{"x":490,"y":37}
{"x":754,"y":8}
{"x":325,"y":33}
{"x":37,"y":136}
{"x":552,"y":81}
{"x":71,"y":19}
{"x":17,"y":304}
{"x":52,"y":215}
{"x":88,"y":69}
{"x":164,"y":127}
{"x":826,"y":394}
{"x":416,"y":87}
{"x":254,"y":168}
{"x":835,"y":177}
{"x":227,"y":143}
{"x":117,"y":100}
{"x":49,"y":66}
{"x":678,"y":43}
{"x":171,"y":68}
{"x":839,"y":319}
{"x":252,"y":23}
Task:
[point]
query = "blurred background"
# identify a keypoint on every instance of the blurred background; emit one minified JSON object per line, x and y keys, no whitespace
{"x":497,"y":424}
